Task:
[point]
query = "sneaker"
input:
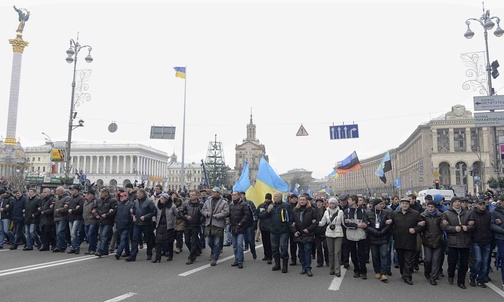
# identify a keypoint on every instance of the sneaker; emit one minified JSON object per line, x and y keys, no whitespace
{"x":234,"y":264}
{"x":71,"y":252}
{"x":189,"y":262}
{"x":129,"y":259}
{"x":240,"y":265}
{"x":364,"y":276}
{"x":213,"y":263}
{"x":377,"y":275}
{"x":383,"y":278}
{"x":482,"y":285}
{"x":309,"y":274}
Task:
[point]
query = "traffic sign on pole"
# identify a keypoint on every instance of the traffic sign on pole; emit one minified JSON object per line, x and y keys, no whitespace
{"x":494,"y":102}
{"x":344,"y":131}
{"x":489,"y":119}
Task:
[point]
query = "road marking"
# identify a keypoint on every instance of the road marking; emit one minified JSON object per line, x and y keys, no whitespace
{"x":42,"y":265}
{"x":336,"y":282}
{"x":4,"y":250}
{"x":122,"y":297}
{"x":495,"y":289}
{"x":208,"y":265}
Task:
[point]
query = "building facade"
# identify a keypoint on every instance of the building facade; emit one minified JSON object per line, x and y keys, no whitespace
{"x":449,"y":149}
{"x":112,"y":165}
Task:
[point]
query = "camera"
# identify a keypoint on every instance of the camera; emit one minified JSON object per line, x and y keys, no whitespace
{"x":332,"y":227}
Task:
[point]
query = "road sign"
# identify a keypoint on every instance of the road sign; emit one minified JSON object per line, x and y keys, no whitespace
{"x":344,"y":131}
{"x":302,"y":131}
{"x":494,"y":102}
{"x":489,"y":119}
{"x":162,"y":132}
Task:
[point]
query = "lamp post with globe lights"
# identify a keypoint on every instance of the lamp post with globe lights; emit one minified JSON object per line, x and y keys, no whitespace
{"x":73,"y":52}
{"x":487,"y":22}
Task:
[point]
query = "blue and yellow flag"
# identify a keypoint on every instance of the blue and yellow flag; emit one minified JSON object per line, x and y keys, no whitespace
{"x":267,"y":181}
{"x":180,"y":72}
{"x":243,"y":182}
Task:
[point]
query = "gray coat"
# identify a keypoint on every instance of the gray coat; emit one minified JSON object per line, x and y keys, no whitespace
{"x":221,"y":211}
{"x":170,"y":211}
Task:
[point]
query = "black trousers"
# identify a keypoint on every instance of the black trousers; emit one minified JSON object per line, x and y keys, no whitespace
{"x":266,"y":240}
{"x":460,"y":255}
{"x":358,"y":250}
{"x":406,"y":260}
{"x":48,"y":236}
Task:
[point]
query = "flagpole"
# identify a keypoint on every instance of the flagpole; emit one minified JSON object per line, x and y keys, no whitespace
{"x":365,"y":181}
{"x":182,"y":179}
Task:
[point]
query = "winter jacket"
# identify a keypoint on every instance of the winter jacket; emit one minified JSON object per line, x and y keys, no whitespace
{"x":144,"y":207}
{"x":192,"y":209}
{"x":104,"y":206}
{"x":171,"y":213}
{"x":354,"y":215}
{"x":332,"y":218}
{"x":377,"y":230}
{"x":497,"y":228}
{"x":403,"y":239}
{"x":124,"y":216}
{"x":320,"y":230}
{"x":179,"y":222}
{"x":75,"y":204}
{"x":18,"y":206}
{"x":240,"y":216}
{"x":456,"y":239}
{"x":482,"y":233}
{"x":432,"y":235}
{"x":280,"y":217}
{"x":221,"y":211}
{"x":87,"y":207}
{"x":60,"y":211}
{"x":32,"y":215}
{"x":304,"y":218}
{"x":6,"y":205}
{"x":265,"y":221}
{"x":47,"y":210}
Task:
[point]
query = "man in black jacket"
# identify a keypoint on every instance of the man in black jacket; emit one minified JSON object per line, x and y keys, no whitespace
{"x":142,"y":219}
{"x":264,"y":226}
{"x":481,"y":243}
{"x":240,"y":218}
{"x":75,"y":221}
{"x":32,"y":220}
{"x":405,"y":232}
{"x":5,"y":216}
{"x":191,"y":213}
{"x":281,"y":218}
{"x":48,"y":231}
{"x":106,"y":207}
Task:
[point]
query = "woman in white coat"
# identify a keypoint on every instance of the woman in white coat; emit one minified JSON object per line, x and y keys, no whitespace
{"x":333,"y":218}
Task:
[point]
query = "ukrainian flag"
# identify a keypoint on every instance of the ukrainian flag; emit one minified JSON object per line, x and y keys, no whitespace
{"x":267,"y":181}
{"x":180,"y":72}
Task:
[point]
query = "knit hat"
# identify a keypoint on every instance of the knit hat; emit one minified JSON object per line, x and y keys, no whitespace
{"x":376,"y":201}
{"x":431,"y":203}
{"x":333,"y":200}
{"x":164,"y":196}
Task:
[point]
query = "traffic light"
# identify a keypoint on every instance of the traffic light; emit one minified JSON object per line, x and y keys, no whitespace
{"x":495,"y":72}
{"x":436,"y":183}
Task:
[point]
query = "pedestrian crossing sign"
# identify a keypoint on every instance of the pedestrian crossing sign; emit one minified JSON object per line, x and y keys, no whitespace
{"x":302,"y":131}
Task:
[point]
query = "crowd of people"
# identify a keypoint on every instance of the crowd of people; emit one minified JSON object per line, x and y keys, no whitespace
{"x":384,"y":232}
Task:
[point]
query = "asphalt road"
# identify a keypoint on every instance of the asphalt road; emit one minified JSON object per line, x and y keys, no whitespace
{"x":47,"y":276}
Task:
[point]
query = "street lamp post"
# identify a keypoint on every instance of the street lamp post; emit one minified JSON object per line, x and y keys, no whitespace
{"x":487,"y":23}
{"x":73,"y":52}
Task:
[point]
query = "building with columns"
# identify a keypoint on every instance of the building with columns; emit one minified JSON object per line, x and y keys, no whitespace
{"x":448,"y":148}
{"x":112,"y":165}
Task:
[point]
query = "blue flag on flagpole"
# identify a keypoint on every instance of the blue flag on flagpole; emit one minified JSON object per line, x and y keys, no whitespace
{"x":243,"y":182}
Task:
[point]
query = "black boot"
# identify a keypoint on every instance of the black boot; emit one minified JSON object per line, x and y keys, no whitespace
{"x":285,"y":263}
{"x":276,"y":267}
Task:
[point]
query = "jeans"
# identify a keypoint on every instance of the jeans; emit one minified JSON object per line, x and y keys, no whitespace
{"x":480,"y":254}
{"x":92,"y":235}
{"x":5,"y":228}
{"x":123,"y":242}
{"x":75,"y":227}
{"x":238,"y":247}
{"x":249,"y":239}
{"x":215,"y":245}
{"x":228,"y":235}
{"x":500,"y":255}
{"x":31,"y":235}
{"x":305,"y":251}
{"x":105,"y":233}
{"x":138,"y":230}
{"x":379,"y":253}
{"x":279,"y":243}
{"x":61,"y":227}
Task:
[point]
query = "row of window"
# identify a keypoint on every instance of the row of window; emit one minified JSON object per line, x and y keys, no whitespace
{"x":459,"y":140}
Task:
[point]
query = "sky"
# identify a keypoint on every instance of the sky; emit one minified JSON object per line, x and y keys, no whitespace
{"x":387,"y":66}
